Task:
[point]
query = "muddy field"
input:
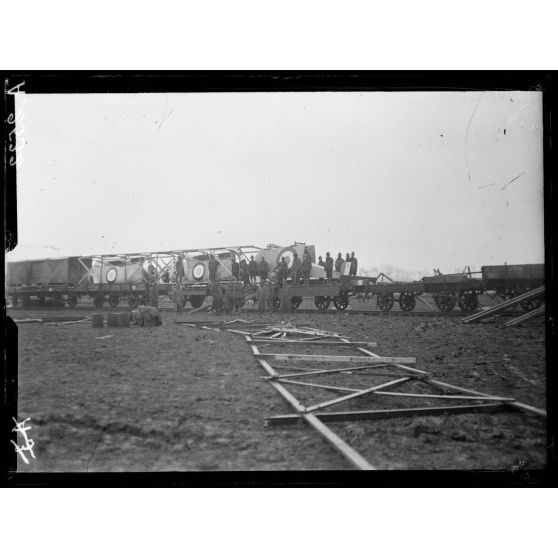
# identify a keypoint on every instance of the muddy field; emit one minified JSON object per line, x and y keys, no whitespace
{"x":176,"y":398}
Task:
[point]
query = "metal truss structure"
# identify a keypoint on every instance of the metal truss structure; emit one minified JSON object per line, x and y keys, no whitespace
{"x":363,"y":377}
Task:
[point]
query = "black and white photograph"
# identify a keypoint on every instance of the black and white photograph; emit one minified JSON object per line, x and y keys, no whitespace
{"x":243,"y":277}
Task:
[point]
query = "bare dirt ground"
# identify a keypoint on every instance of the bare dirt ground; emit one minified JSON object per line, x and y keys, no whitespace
{"x":174,"y":398}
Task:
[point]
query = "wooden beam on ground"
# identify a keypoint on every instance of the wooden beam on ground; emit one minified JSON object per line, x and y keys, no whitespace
{"x":339,"y":370}
{"x":283,"y":420}
{"x":435,"y":396}
{"x":359,"y":393}
{"x":308,"y":384}
{"x":401,"y":366}
{"x":339,"y":444}
{"x":532,"y":314}
{"x":510,"y":302}
{"x":320,"y":343}
{"x":341,"y":358}
{"x":515,"y":404}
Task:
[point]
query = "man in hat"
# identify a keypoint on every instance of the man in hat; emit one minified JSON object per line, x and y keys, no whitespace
{"x":263,"y":269}
{"x":253,"y":269}
{"x":179,"y":297}
{"x":229,"y":297}
{"x":235,"y":268}
{"x":212,"y":266}
{"x":270,"y":294}
{"x":296,"y":269}
{"x":217,"y":298}
{"x":146,"y":316}
{"x":339,"y":263}
{"x":328,"y":266}
{"x":244,"y":273}
{"x":262,"y":296}
{"x":306,"y":267}
{"x":238,"y":300}
{"x":282,"y":271}
{"x":354,"y":265}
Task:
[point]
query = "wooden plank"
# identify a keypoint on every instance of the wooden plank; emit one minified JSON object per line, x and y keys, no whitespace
{"x":511,"y":302}
{"x":515,"y":404}
{"x":435,"y":396}
{"x":340,"y":445}
{"x":320,"y":343}
{"x":532,"y":314}
{"x":360,"y":393}
{"x":283,"y":420}
{"x":331,"y":371}
{"x":401,"y":366}
{"x":308,"y":384}
{"x":341,"y":358}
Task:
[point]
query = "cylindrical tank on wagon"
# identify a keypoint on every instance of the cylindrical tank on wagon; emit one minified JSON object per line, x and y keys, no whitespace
{"x":117,"y":271}
{"x":196,"y":269}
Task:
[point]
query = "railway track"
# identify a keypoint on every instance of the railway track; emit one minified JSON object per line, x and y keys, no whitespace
{"x":300,"y":311}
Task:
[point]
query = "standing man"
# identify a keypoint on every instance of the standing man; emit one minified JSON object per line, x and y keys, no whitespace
{"x":238,"y":296}
{"x":179,"y":266}
{"x":296,"y":269}
{"x":354,"y":265}
{"x":235,"y":268}
{"x":263,"y":269}
{"x":282,"y":271}
{"x":270,"y":294}
{"x":212,"y":266}
{"x":328,"y":266}
{"x":321,"y":262}
{"x":179,"y":298}
{"x":306,"y":267}
{"x":339,"y":263}
{"x":229,"y":297}
{"x":217,"y":303}
{"x":244,"y":273}
{"x":262,"y":296}
{"x":253,"y":269}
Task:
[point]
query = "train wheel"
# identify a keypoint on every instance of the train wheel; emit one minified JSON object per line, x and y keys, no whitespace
{"x":322,"y":302}
{"x":407,"y":302}
{"x":72,"y":300}
{"x":196,"y":301}
{"x":467,"y":300}
{"x":276,"y":303}
{"x":385,"y":302}
{"x":98,"y":300}
{"x":296,"y":301}
{"x":341,"y":302}
{"x":114,"y":299}
{"x":133,"y":301}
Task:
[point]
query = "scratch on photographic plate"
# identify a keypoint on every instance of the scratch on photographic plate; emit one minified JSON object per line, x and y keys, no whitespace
{"x":512,"y":180}
{"x":96,"y":446}
{"x":165,"y":115}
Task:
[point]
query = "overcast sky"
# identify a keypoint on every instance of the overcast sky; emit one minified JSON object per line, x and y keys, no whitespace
{"x":411,"y":179}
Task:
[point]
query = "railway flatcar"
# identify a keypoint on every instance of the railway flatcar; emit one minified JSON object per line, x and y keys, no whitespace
{"x":509,"y":281}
